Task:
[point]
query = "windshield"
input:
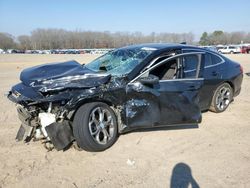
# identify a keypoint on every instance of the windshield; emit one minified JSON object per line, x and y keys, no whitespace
{"x":120,"y":62}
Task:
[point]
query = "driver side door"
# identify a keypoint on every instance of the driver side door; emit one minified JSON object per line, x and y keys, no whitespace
{"x":171,"y":99}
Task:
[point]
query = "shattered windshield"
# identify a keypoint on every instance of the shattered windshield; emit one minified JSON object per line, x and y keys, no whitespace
{"x":121,"y":61}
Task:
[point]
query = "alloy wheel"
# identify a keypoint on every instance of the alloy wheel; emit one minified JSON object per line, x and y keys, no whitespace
{"x":101,"y":125}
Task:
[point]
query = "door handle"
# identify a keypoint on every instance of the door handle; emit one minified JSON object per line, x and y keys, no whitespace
{"x":192,"y":88}
{"x":214,"y":73}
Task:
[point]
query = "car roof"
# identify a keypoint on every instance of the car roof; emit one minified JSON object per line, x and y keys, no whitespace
{"x":160,"y":46}
{"x":157,"y":46}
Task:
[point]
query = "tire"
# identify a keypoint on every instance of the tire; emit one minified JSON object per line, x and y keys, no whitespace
{"x":231,"y":52}
{"x":222,"y":97}
{"x":95,"y":127}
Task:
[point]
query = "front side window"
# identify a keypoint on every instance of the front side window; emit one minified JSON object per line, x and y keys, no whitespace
{"x":166,"y":71}
{"x":179,"y":68}
{"x":121,"y":61}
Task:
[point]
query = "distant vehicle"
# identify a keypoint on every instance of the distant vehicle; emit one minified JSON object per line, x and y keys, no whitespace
{"x":1,"y":51}
{"x":139,"y":86}
{"x":14,"y":51}
{"x":218,"y":47}
{"x":53,"y":51}
{"x":245,"y":49}
{"x":211,"y":48}
{"x":230,"y":50}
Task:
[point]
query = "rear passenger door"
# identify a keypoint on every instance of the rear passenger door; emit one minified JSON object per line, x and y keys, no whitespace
{"x":213,"y":67}
{"x":212,"y":74}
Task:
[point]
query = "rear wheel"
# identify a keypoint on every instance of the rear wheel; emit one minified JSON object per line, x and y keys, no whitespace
{"x":223,"y":95}
{"x":95,"y":127}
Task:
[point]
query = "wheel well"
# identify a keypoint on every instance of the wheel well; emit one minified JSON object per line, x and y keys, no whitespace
{"x":231,"y":84}
{"x":89,"y":101}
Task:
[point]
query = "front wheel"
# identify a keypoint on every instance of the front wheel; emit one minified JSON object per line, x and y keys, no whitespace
{"x":223,"y":95}
{"x":95,"y":126}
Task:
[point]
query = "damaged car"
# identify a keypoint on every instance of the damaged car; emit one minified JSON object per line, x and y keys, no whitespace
{"x":138,"y":86}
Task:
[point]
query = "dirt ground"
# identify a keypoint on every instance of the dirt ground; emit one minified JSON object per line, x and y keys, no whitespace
{"x":214,"y":154}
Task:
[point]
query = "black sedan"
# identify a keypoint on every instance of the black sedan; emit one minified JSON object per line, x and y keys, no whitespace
{"x":139,"y":86}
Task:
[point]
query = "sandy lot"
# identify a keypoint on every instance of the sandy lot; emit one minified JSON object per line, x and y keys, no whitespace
{"x":215,"y":154}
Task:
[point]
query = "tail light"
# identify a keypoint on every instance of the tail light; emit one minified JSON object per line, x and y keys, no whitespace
{"x":241,"y":69}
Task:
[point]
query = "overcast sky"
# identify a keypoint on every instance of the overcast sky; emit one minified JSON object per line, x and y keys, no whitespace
{"x":22,"y":16}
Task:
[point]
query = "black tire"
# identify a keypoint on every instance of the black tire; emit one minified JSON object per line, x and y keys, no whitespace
{"x":221,"y":101}
{"x":231,"y":52}
{"x":83,"y":129}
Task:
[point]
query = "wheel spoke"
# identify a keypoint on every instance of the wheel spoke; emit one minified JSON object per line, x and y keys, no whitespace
{"x":108,"y":122}
{"x":100,"y":111}
{"x":97,"y":137}
{"x":105,"y":137}
{"x":221,"y":105}
{"x":96,"y":131}
{"x":106,"y":134}
{"x":226,"y":102}
{"x":218,"y":101}
{"x":223,"y":91}
{"x":93,"y":117}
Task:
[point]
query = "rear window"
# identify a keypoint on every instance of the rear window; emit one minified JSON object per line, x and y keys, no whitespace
{"x":215,"y":59}
{"x":211,"y":59}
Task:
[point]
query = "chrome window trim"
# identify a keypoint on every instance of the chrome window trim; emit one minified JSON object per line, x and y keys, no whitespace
{"x":154,"y":60}
{"x":164,"y":61}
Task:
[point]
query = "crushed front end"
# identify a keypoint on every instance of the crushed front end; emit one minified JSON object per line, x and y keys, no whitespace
{"x":44,"y":101}
{"x":41,"y":120}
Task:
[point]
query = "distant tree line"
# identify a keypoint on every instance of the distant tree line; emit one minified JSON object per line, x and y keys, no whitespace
{"x":41,"y":39}
{"x":220,"y":37}
{"x":62,"y":39}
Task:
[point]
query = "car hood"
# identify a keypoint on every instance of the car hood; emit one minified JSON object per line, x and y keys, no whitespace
{"x":58,"y":76}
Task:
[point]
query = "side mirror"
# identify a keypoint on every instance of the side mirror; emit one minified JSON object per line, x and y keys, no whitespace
{"x":150,"y":80}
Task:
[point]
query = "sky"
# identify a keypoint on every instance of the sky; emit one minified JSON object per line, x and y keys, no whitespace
{"x":19,"y":17}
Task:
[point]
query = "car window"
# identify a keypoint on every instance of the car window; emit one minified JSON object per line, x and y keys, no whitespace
{"x":211,"y":59}
{"x":208,"y":59}
{"x":182,"y":67}
{"x":215,"y":59}
{"x":166,"y":71}
{"x":190,"y":63}
{"x":121,"y":61}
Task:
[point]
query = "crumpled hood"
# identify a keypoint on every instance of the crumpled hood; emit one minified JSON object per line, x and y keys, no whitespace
{"x":58,"y":76}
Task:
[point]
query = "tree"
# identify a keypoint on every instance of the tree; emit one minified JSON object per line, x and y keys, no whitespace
{"x":24,"y":42}
{"x":7,"y":41}
{"x":204,"y":40}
